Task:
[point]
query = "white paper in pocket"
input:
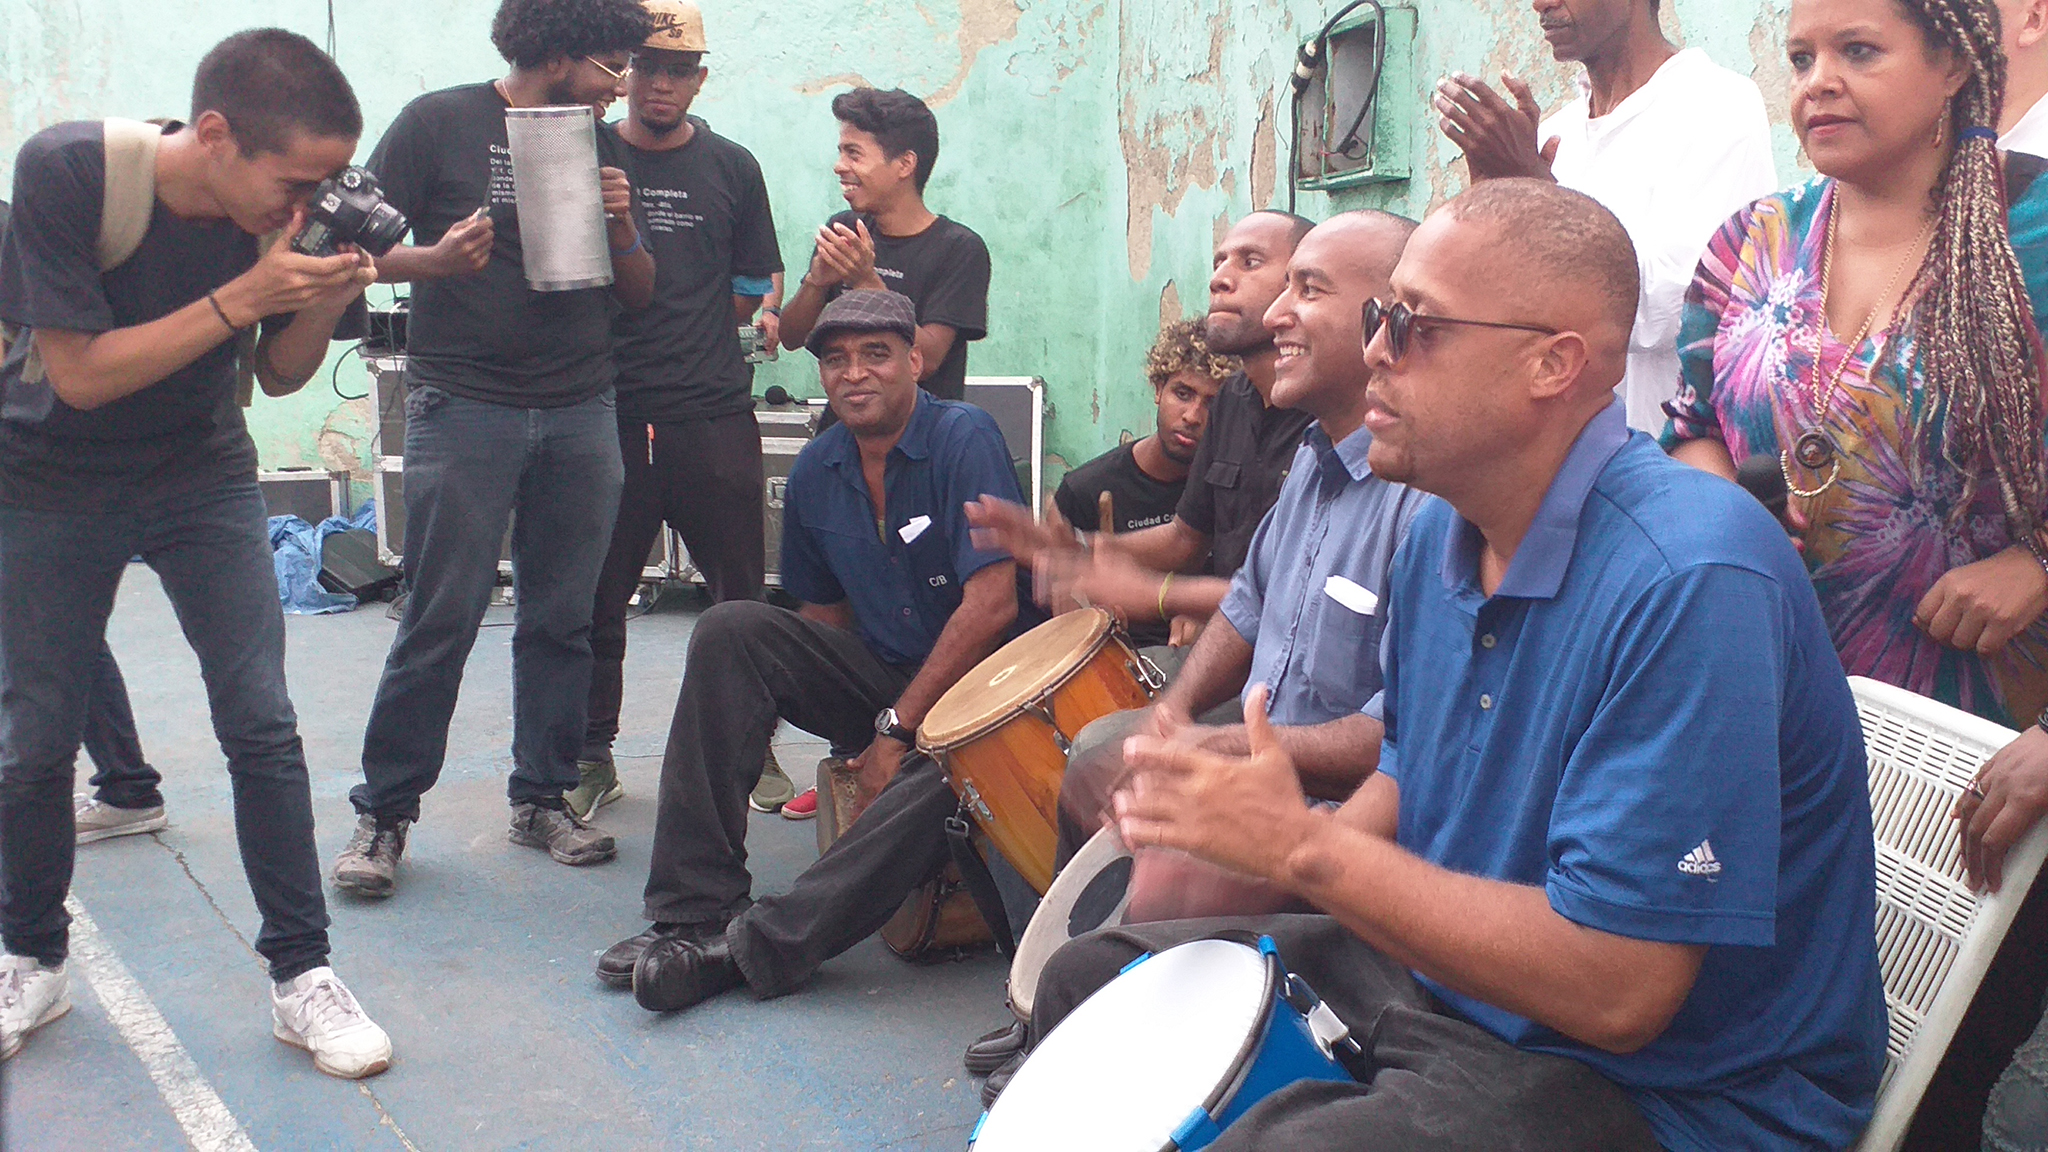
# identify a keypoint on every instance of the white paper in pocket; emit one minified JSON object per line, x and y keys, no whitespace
{"x":915,"y":528}
{"x":1351,"y":595}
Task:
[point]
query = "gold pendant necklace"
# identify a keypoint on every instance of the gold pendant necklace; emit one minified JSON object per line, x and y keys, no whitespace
{"x":1815,"y":449}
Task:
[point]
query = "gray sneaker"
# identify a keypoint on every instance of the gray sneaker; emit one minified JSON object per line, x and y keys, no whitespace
{"x":99,"y":821}
{"x":566,"y":836}
{"x":369,"y":865}
{"x":774,"y":789}
{"x":599,"y":787}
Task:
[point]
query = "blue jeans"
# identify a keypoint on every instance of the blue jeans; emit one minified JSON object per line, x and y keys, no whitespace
{"x":58,"y":574}
{"x":120,"y":776}
{"x":470,"y":467}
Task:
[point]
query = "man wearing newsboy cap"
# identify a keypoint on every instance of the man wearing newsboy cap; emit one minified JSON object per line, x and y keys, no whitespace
{"x":897,"y":604}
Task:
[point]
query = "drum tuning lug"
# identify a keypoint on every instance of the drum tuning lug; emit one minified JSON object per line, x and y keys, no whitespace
{"x":974,"y":801}
{"x":1039,"y":709}
{"x":1149,"y":674}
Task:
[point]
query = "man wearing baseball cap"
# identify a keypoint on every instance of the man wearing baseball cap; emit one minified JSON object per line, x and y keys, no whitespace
{"x":897,"y":604}
{"x":687,"y":434}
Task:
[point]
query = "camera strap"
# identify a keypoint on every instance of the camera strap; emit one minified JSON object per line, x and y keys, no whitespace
{"x":127,"y":203}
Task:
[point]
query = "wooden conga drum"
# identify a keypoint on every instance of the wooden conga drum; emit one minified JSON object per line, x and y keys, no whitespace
{"x":1003,"y":731}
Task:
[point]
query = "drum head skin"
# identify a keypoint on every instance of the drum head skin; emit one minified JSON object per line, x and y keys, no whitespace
{"x":1018,"y":673}
{"x":1091,"y":892}
{"x":1127,"y":1067}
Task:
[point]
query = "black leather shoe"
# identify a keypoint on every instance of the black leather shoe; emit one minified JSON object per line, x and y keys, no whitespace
{"x":994,"y":1050}
{"x":999,"y":1080}
{"x":674,"y":974}
{"x":615,"y":967}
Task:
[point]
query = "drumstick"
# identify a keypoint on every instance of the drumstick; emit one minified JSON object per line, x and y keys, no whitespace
{"x":1105,"y":514}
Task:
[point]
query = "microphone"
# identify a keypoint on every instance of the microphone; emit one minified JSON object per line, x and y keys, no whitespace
{"x":1761,"y":477}
{"x":777,"y":394}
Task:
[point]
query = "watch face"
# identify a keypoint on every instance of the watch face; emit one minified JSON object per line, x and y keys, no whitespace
{"x":885,"y":720}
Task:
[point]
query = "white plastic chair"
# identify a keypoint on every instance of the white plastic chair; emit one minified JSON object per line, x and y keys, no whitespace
{"x":1935,"y":937}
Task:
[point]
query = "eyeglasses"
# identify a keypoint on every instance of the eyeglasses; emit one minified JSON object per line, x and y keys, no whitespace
{"x":1401,"y":320}
{"x":616,"y":74}
{"x":654,"y":69}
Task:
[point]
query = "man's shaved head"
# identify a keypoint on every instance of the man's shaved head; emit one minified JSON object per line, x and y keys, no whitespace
{"x":1556,"y":241}
{"x":1337,"y":267}
{"x":1297,"y":226}
{"x":1454,"y":413}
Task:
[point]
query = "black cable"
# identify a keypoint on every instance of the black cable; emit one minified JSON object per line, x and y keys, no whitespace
{"x":334,"y":376}
{"x":1312,"y":56}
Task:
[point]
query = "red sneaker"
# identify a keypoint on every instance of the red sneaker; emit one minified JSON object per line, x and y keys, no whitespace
{"x":804,"y":807}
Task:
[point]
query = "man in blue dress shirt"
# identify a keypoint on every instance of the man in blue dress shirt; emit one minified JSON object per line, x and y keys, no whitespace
{"x":1612,"y":886}
{"x":1310,"y":595}
{"x":898,"y":603}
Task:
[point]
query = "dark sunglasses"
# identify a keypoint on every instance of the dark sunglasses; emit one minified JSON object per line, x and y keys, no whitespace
{"x":1400,"y":321}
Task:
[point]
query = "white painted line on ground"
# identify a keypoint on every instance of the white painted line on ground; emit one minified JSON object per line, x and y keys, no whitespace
{"x":199,"y":1110}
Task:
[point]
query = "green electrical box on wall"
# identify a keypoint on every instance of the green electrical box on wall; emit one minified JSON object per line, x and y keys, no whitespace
{"x":1355,"y":119}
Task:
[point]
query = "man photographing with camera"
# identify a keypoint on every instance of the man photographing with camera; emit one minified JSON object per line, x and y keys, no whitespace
{"x":120,"y":434}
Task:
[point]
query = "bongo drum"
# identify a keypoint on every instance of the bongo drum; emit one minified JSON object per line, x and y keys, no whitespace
{"x":1091,"y":892}
{"x":1168,"y":1055}
{"x":1003,"y":731}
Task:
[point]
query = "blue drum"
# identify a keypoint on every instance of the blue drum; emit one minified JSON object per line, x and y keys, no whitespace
{"x":1168,"y":1054}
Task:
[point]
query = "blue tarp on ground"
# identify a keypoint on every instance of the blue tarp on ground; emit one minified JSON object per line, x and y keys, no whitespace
{"x":295,"y":549}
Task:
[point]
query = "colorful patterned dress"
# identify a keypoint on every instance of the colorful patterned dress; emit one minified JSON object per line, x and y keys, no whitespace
{"x":1882,"y":536}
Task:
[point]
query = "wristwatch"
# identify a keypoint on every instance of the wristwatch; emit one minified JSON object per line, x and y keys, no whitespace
{"x":887,"y":723}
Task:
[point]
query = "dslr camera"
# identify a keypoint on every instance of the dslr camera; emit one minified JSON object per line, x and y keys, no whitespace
{"x":349,"y":208}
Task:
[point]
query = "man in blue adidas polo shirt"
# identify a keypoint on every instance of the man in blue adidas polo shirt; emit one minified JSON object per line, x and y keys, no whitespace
{"x":1612,"y":887}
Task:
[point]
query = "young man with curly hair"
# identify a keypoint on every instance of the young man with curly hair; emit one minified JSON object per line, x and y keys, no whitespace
{"x":888,"y":239}
{"x":1144,"y":478}
{"x":510,"y":417}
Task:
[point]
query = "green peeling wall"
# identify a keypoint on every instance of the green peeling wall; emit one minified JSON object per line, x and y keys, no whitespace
{"x":1099,"y":146}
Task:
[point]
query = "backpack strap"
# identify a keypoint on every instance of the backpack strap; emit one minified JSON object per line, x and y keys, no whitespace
{"x":129,"y":198}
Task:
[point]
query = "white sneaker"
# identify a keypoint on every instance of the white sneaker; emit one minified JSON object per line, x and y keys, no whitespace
{"x":98,"y":821}
{"x":30,"y":997}
{"x":315,"y":1011}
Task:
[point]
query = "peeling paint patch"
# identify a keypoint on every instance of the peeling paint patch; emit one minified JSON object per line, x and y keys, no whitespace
{"x":1169,"y":304}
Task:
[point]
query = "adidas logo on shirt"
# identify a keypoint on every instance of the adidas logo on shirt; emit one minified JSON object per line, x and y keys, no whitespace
{"x":1700,"y":861}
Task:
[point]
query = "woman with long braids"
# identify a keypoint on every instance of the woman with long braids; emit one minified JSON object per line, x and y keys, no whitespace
{"x":1872,"y":336}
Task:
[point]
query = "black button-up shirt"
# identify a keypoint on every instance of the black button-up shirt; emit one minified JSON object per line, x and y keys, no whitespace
{"x":1238,"y":471}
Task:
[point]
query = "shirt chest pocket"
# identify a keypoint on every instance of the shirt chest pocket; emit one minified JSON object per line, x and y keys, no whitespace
{"x":928,"y":552}
{"x":1344,"y":647}
{"x":1223,"y":474}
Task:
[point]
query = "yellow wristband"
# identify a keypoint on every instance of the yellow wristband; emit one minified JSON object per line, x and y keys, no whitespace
{"x":1163,"y":586}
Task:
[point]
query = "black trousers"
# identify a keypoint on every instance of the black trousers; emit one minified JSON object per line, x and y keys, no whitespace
{"x":749,"y":664}
{"x":1438,"y":1083}
{"x":704,"y":478}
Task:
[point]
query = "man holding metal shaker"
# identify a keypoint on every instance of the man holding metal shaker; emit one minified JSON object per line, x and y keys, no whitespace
{"x":510,"y":411}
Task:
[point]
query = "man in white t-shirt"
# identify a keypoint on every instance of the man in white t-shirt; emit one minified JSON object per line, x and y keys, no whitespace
{"x":1670,"y":142}
{"x":2024,"y":124}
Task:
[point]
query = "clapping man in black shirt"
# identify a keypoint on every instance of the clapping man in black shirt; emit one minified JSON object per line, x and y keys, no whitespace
{"x":888,"y":239}
{"x":510,"y":416}
{"x":686,"y":404}
{"x":120,"y":435}
{"x":1145,"y":478}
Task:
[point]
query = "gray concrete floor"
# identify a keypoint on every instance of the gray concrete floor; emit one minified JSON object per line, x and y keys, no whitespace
{"x":480,"y":966}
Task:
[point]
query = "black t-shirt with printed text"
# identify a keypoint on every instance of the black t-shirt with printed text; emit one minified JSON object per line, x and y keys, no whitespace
{"x":944,"y":270}
{"x":707,"y":221}
{"x":180,"y":435}
{"x":488,"y":336}
{"x":1137,"y":500}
